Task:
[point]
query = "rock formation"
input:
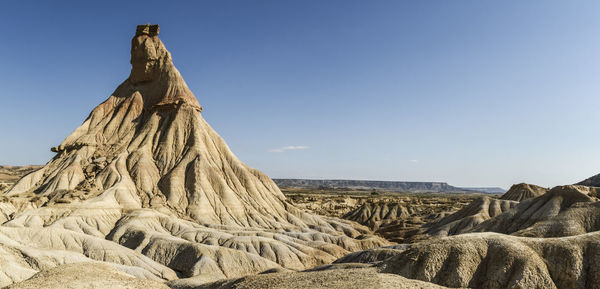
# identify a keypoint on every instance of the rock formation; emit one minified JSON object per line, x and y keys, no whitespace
{"x":405,"y":219}
{"x":374,"y":255}
{"x":477,"y":212}
{"x":563,"y":211}
{"x":494,"y":261}
{"x":593,"y":181}
{"x":376,"y":214}
{"x":145,"y":194}
{"x":387,"y":186}
{"x":335,"y":278}
{"x":545,"y":208}
{"x":86,"y":276}
{"x":523,"y":191}
{"x":10,"y":174}
{"x":148,"y":187}
{"x":568,"y":214}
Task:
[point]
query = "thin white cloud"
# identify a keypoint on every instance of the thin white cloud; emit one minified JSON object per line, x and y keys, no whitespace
{"x":413,"y":161}
{"x":288,"y":148}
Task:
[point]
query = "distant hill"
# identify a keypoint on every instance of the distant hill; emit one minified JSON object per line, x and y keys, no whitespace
{"x":487,"y":190}
{"x":391,"y":186}
{"x":593,"y":181}
{"x":11,"y":174}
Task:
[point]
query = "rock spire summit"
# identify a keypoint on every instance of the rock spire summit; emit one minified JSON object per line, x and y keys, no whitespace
{"x":146,"y":182}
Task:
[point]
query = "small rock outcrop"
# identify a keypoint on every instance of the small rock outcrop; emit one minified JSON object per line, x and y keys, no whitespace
{"x":523,"y":191}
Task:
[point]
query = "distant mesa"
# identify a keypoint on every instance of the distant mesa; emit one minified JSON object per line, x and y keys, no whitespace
{"x":390,"y":186}
{"x":488,"y":190}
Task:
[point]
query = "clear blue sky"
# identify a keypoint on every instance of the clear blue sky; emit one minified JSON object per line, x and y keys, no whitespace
{"x":474,"y":93}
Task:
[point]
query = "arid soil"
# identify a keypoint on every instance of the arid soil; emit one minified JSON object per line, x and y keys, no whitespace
{"x":395,"y":216}
{"x":430,"y":256}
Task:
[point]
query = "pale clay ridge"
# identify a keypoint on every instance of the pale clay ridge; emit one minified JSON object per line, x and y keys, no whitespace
{"x":85,"y":275}
{"x":343,"y":278}
{"x":375,"y":214}
{"x":561,"y":211}
{"x":477,"y":212}
{"x":403,"y":220}
{"x":148,"y":187}
{"x":521,"y":192}
{"x":494,"y":261}
{"x":535,"y":215}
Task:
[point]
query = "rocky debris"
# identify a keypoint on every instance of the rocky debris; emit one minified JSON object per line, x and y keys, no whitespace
{"x":523,"y":191}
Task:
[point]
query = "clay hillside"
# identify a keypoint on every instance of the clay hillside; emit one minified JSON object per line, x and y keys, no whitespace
{"x":593,"y":181}
{"x":147,"y":187}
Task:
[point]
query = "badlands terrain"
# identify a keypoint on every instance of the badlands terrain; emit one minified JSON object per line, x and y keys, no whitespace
{"x":145,"y":194}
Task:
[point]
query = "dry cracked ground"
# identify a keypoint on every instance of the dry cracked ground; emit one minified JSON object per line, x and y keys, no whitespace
{"x":145,"y":194}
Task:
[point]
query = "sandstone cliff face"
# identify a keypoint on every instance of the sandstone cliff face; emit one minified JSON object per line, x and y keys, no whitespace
{"x":146,"y":183}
